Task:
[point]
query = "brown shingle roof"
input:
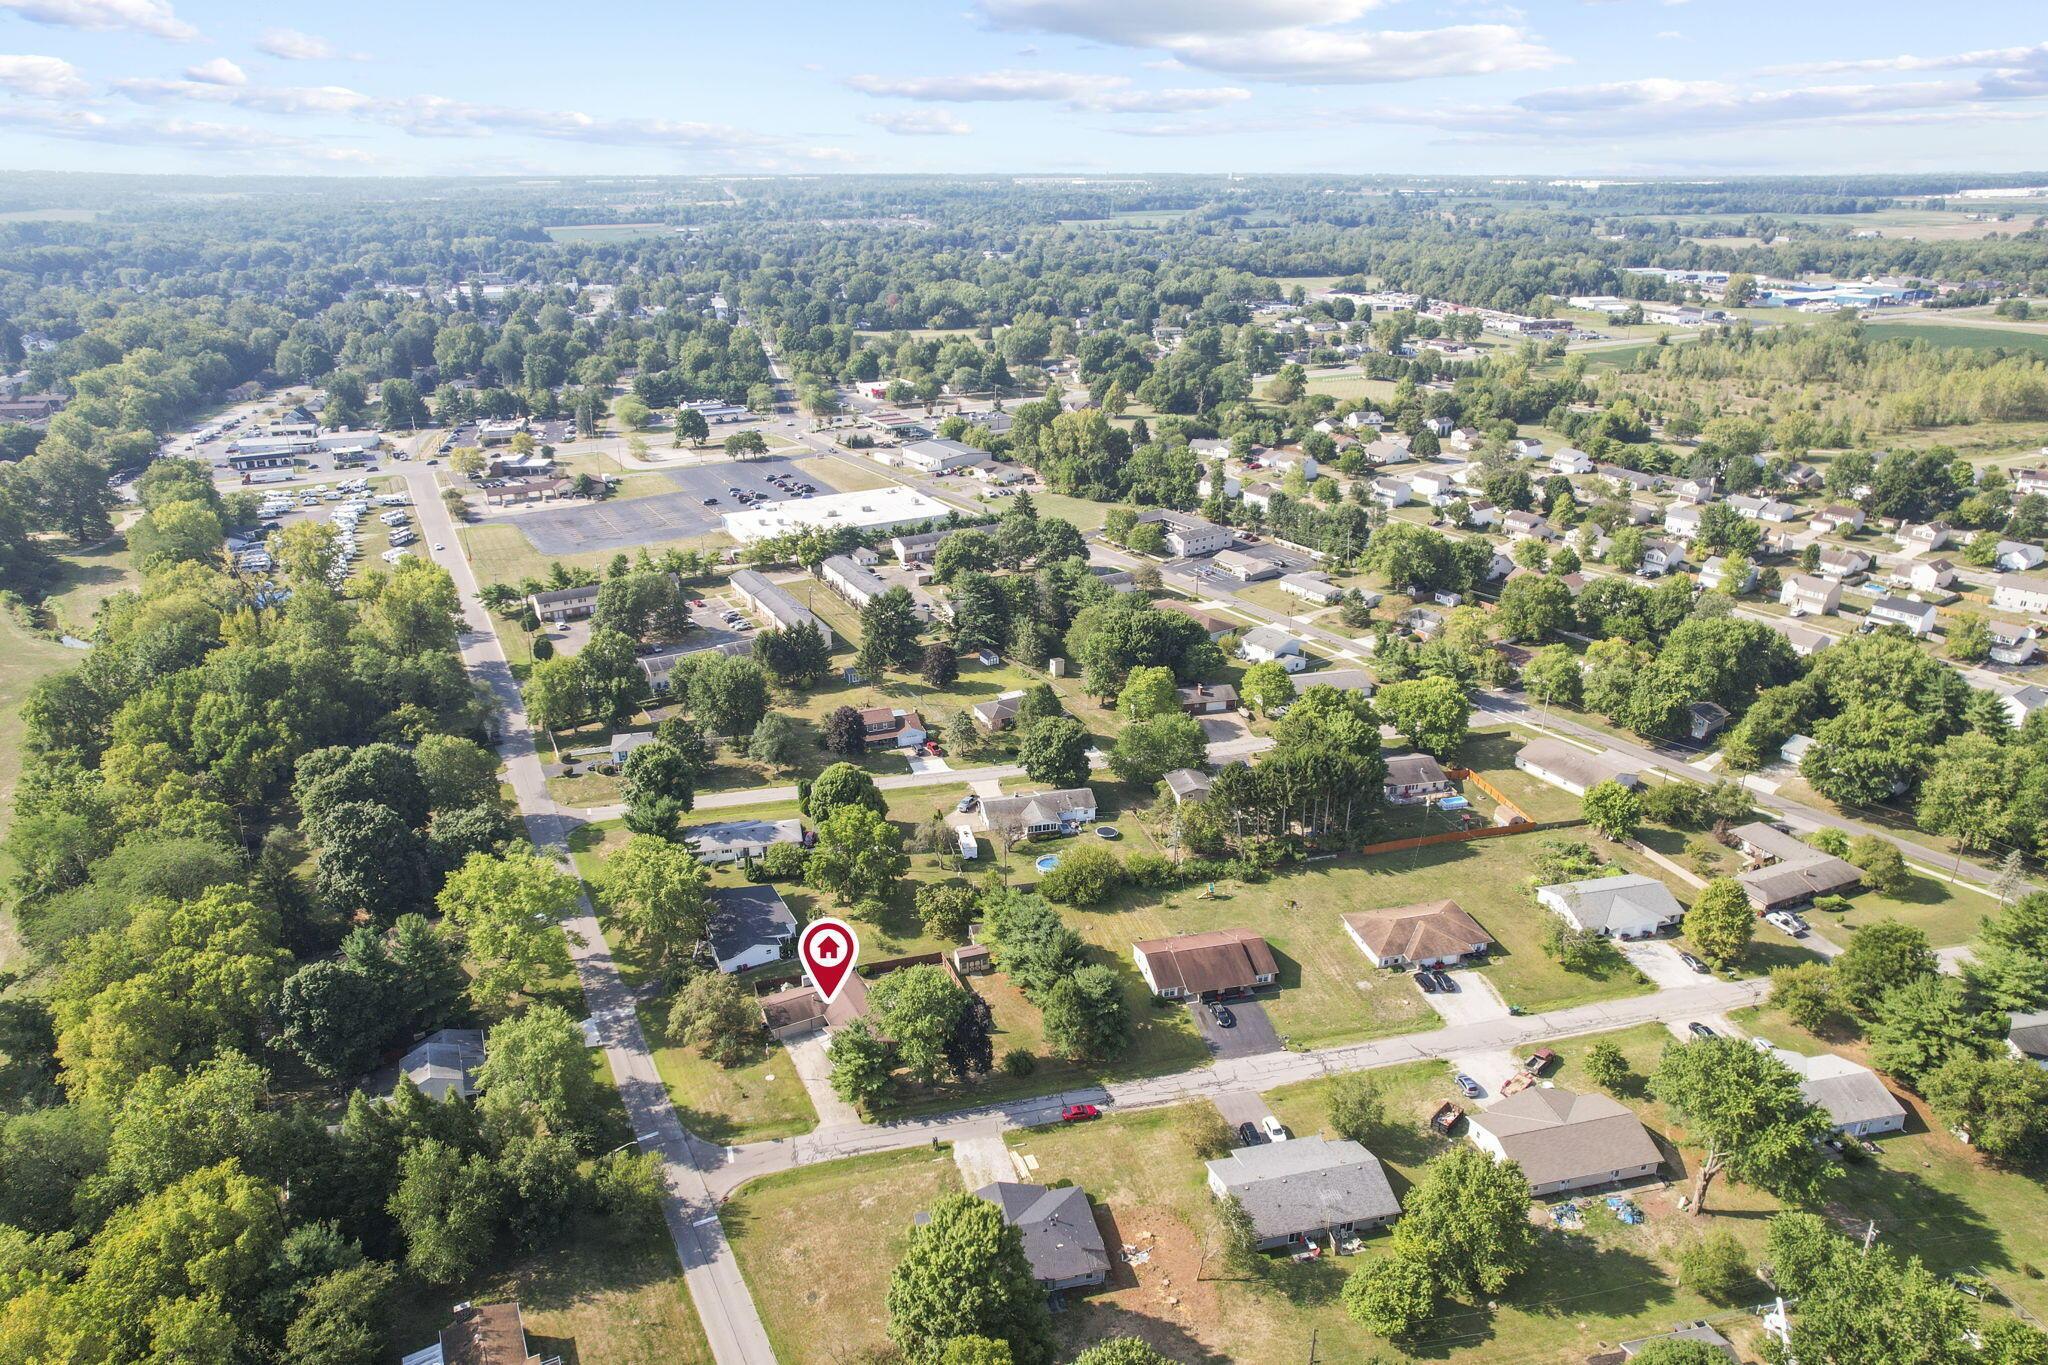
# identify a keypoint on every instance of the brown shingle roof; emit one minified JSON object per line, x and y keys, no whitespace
{"x":1415,"y":932}
{"x":1222,"y":960}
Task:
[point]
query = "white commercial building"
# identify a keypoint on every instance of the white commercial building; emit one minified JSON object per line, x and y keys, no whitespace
{"x":874,"y":509}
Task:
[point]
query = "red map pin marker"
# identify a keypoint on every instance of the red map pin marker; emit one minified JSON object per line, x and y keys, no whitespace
{"x":828,"y":948}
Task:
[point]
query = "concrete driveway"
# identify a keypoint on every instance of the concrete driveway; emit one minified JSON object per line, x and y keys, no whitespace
{"x":1252,"y":1035}
{"x":1660,"y":962}
{"x":1490,"y":1069}
{"x":1474,"y":1002}
{"x":1681,"y":1029}
{"x":983,"y":1158}
{"x":807,"y":1054}
{"x":1241,"y":1106}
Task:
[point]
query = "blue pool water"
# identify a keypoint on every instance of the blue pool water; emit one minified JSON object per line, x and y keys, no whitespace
{"x":1048,"y":862}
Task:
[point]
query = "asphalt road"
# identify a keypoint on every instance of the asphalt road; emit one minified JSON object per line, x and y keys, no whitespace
{"x":723,"y":1304}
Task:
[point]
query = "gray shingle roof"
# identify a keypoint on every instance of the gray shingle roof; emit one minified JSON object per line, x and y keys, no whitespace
{"x":1848,"y":1093}
{"x":1061,"y":1238}
{"x":744,"y":917}
{"x":1560,"y":1135}
{"x":1307,"y":1184}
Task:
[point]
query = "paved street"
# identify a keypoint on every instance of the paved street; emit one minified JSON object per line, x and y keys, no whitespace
{"x":731,"y":1324}
{"x":700,"y":1176}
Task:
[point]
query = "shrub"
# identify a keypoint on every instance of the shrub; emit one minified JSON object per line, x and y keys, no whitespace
{"x":1153,"y":871}
{"x":1018,"y":1062}
{"x":1716,"y":1268}
{"x":1085,"y":876}
{"x":945,"y":909}
{"x":781,"y":863}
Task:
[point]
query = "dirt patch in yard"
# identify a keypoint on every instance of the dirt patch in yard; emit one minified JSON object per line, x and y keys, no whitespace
{"x":1161,"y":1298}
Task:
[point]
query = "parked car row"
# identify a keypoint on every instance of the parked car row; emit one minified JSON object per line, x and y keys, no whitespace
{"x":1434,"y":980}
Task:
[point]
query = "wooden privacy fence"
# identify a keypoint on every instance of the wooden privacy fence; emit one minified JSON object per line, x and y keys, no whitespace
{"x":1516,"y":815}
{"x":1464,"y":836}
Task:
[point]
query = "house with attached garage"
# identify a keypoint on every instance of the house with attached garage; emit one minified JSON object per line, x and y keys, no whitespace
{"x":1920,"y":618}
{"x":2011,"y":642}
{"x":2020,"y":701}
{"x":2025,"y":481}
{"x":1661,"y":557}
{"x":1482,"y":513}
{"x":2027,"y":592}
{"x":1565,"y":1141}
{"x":1622,"y":906}
{"x":1208,"y":699}
{"x":1683,"y":520}
{"x":750,"y":926}
{"x":1839,"y":519}
{"x":1837,"y":565}
{"x":1434,"y":486}
{"x":2016,"y":556}
{"x":1572,"y":768}
{"x":1930,"y":575}
{"x":1391,"y":492}
{"x":1526,"y":526}
{"x":1030,"y":814}
{"x":892,"y":728}
{"x":1413,"y":779}
{"x":1269,"y":644}
{"x":1786,"y":871}
{"x":1921,"y":537}
{"x":1570,"y":460}
{"x":1854,"y":1099}
{"x":1197,"y":966}
{"x":1432,"y":934}
{"x":1810,"y":596}
{"x":1308,"y":1191}
{"x":1714,"y":574}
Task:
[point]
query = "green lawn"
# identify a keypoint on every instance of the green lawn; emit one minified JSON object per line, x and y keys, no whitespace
{"x":816,"y":1246}
{"x":499,"y":552}
{"x":753,"y":1102}
{"x":85,"y":579}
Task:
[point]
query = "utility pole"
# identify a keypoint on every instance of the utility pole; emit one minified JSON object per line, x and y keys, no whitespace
{"x":1313,"y":1337}
{"x":1869,"y":1236}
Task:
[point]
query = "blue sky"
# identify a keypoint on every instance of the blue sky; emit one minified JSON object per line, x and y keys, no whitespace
{"x":1573,"y":87}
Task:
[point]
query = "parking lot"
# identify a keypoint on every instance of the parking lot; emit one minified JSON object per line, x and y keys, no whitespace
{"x":1253,"y":1034}
{"x":704,"y":495}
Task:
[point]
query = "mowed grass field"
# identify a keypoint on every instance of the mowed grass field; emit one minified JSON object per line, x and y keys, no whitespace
{"x":817,"y":1245}
{"x":1956,"y":334}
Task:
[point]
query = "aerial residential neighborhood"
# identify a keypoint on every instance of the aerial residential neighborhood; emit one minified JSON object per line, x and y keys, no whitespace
{"x":769,"y":711}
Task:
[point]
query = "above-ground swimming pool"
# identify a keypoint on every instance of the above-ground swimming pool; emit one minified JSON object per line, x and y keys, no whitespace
{"x":1048,"y":862}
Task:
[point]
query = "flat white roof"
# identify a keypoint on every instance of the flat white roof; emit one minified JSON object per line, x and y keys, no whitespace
{"x":877,"y":507}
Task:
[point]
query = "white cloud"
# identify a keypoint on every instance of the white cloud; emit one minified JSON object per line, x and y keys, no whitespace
{"x":43,"y":78}
{"x":919,"y":123}
{"x":435,"y":116}
{"x":219,"y":71}
{"x":1085,"y":93}
{"x":1316,"y":42}
{"x":2016,"y":58}
{"x":1662,"y":105}
{"x":143,"y":16}
{"x":288,"y":44}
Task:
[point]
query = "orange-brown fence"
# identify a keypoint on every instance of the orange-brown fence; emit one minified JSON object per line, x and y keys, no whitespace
{"x":1461,"y":836}
{"x":1516,"y":815}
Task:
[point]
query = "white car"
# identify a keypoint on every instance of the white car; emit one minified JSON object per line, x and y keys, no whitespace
{"x":1787,"y":922}
{"x":1274,"y":1130}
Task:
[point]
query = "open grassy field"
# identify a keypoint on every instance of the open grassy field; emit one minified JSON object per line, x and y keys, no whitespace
{"x":607,"y":232}
{"x":85,"y":579}
{"x":1954,"y":334}
{"x":816,"y":1246}
{"x":753,"y":1102}
{"x":604,"y":1295}
{"x":501,"y":553}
